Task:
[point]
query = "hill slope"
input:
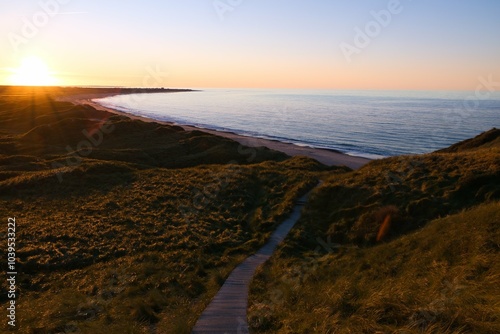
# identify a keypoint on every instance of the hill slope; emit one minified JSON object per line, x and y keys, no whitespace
{"x":487,"y":139}
{"x":126,"y":226}
{"x":442,"y":279}
{"x":402,"y":256}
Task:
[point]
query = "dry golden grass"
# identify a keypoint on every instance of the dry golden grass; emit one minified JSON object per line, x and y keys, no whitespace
{"x":443,"y":278}
{"x":436,"y":271}
{"x":141,"y":232}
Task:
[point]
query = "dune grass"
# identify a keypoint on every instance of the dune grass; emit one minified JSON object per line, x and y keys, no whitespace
{"x":351,"y":207}
{"x":403,"y":245}
{"x":135,"y":231}
{"x":139,"y":231}
{"x":443,"y":278}
{"x":137,"y":249}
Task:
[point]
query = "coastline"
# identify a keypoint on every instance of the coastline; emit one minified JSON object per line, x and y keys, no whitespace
{"x":325,"y":156}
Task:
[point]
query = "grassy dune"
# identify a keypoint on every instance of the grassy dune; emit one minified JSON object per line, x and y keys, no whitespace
{"x":443,"y":278}
{"x":403,"y":245}
{"x":138,"y":230}
{"x":143,"y":247}
{"x":132,"y":227}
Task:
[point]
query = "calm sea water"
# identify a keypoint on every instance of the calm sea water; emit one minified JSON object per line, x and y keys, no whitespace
{"x":364,"y":123}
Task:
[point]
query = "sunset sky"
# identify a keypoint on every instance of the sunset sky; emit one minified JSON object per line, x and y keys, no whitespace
{"x":423,"y":44}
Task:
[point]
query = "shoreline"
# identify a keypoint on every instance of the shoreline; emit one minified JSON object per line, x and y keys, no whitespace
{"x":327,"y":157}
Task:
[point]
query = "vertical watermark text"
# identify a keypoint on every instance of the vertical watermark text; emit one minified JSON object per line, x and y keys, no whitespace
{"x":11,"y":272}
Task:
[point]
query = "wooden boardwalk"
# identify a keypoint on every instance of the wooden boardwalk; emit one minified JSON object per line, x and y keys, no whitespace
{"x":227,"y":312}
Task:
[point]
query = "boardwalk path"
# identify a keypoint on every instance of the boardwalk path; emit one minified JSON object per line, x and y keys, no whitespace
{"x":227,"y":312}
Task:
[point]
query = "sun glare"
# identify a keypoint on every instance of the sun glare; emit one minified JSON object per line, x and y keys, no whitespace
{"x":32,"y":72}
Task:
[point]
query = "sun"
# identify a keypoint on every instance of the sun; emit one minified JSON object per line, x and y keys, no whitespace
{"x":32,"y":72}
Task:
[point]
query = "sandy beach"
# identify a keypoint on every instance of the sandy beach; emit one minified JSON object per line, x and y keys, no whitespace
{"x":327,"y":157}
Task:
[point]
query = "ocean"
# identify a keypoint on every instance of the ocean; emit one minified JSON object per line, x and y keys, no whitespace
{"x":371,"y":124}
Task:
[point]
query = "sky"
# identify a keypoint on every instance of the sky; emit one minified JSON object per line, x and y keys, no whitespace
{"x":322,"y":44}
